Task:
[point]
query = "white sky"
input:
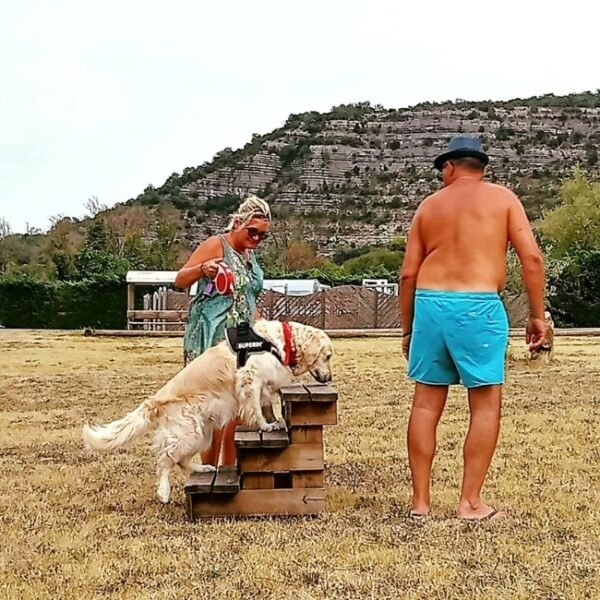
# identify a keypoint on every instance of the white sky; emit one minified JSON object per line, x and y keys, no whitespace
{"x":103,"y":98}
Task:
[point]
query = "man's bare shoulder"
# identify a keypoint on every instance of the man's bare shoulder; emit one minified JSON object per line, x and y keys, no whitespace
{"x":500,"y":191}
{"x":431,"y":199}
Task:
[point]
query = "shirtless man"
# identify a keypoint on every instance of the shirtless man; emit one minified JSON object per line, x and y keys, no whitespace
{"x":454,"y":324}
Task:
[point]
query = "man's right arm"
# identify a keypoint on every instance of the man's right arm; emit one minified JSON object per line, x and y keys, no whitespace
{"x":413,"y":258}
{"x":523,"y":241}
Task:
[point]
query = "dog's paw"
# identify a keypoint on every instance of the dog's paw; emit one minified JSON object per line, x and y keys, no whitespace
{"x":163,"y":496}
{"x":280,"y":425}
{"x":269,"y":426}
{"x":197,"y":468}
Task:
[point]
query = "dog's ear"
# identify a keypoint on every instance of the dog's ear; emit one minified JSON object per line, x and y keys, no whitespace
{"x":309,"y":345}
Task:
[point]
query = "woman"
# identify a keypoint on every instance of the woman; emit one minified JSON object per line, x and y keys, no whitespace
{"x":211,"y":313}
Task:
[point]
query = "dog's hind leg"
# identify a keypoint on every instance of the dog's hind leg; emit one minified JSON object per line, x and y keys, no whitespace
{"x":187,"y":450}
{"x":163,"y":470}
{"x":168,"y":454}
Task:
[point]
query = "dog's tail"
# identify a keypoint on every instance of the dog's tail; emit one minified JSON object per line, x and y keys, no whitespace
{"x":121,"y":433}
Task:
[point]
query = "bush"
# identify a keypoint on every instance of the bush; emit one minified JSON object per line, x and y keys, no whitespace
{"x":574,"y":290}
{"x":378,"y":260}
{"x":222,"y":205}
{"x":31,"y":303}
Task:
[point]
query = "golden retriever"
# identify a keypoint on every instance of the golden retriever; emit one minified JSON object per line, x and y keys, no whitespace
{"x":209,"y":392}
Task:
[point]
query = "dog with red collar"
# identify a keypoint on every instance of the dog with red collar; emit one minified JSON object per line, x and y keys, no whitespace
{"x":212,"y":390}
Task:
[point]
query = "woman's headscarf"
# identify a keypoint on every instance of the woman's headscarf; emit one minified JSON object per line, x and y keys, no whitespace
{"x":251,"y":208}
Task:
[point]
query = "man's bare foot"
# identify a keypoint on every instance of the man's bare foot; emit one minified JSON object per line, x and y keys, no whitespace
{"x":413,"y":514}
{"x":477,"y":512}
{"x":419,"y":510}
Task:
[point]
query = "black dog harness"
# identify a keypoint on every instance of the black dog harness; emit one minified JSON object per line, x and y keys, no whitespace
{"x":243,"y":341}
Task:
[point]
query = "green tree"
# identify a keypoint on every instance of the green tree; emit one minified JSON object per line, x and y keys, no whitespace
{"x":575,"y":223}
{"x":95,"y":264}
{"x":376,"y":259}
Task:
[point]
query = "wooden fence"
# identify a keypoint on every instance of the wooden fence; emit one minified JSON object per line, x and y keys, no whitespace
{"x":344,"y":307}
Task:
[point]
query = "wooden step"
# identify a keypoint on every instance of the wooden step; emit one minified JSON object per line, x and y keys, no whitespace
{"x":200,"y":483}
{"x":258,"y":502}
{"x":315,"y":392}
{"x":225,"y":480}
{"x":321,"y":392}
{"x":254,"y":438}
{"x":309,"y":404}
{"x":294,"y":393}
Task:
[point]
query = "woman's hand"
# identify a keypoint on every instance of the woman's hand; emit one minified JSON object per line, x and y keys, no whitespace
{"x":210,"y":268}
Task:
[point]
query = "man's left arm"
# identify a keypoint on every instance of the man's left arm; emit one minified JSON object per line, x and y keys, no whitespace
{"x":413,"y":258}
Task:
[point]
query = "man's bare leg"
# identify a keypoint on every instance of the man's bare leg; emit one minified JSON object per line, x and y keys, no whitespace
{"x":480,"y":444}
{"x":428,"y":405}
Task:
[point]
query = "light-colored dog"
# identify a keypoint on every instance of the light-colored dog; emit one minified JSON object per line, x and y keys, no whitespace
{"x":209,"y":392}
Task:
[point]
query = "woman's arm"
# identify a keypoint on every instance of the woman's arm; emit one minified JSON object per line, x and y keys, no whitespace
{"x":202,"y":263}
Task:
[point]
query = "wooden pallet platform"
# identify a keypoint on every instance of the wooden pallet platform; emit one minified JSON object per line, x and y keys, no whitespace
{"x":278,"y":472}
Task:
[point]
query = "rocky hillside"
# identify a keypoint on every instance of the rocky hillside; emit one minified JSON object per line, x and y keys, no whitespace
{"x":354,"y":175}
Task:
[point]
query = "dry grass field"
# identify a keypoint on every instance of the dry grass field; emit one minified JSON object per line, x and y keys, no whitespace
{"x":80,"y":525}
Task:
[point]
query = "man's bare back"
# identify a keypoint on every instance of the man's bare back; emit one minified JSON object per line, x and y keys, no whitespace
{"x":465,"y":229}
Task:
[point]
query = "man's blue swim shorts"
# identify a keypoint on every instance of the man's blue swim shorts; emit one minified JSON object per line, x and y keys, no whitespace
{"x":458,"y":337}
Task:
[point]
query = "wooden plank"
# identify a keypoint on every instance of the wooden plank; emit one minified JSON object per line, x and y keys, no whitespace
{"x":308,"y":479}
{"x":307,"y":435}
{"x":130,"y":296}
{"x":132,"y":333}
{"x":258,"y":481}
{"x":200,"y":483}
{"x":247,"y":439}
{"x":313,"y":413}
{"x":170,"y":315}
{"x":130,"y":300}
{"x":297,"y":457}
{"x":260,"y":502}
{"x":275,"y":439}
{"x":294,"y":393}
{"x":227,"y":481}
{"x":286,"y":411}
{"x":321,"y":392}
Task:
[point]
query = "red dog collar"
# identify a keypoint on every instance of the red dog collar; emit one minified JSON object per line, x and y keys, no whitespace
{"x":289,"y":349}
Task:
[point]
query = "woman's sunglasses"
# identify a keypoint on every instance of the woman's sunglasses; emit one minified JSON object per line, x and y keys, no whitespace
{"x":255,"y":234}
